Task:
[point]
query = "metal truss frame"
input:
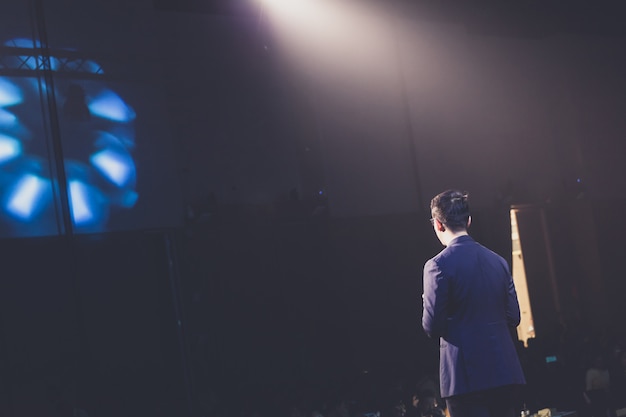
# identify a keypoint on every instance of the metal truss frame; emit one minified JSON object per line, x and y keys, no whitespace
{"x":19,"y":61}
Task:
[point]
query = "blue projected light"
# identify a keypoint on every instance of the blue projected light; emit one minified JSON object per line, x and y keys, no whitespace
{"x":128,"y":199}
{"x":97,"y":135}
{"x":31,"y":61}
{"x":80,"y":65}
{"x":79,"y":203}
{"x":109,"y":105}
{"x":27,"y":197}
{"x":9,"y":148}
{"x":114,"y":166}
{"x":91,"y":66}
{"x":23,"y":43}
{"x":10,"y":94}
{"x":7,"y":118}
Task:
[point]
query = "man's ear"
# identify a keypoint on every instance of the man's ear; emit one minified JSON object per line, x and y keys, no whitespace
{"x":469,"y":221}
{"x":440,"y":226}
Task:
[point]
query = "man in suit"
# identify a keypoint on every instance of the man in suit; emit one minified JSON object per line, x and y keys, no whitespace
{"x":471,"y":305}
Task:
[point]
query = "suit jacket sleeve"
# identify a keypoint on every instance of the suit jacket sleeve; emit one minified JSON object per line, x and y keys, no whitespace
{"x":435,"y":300}
{"x":513,"y":316}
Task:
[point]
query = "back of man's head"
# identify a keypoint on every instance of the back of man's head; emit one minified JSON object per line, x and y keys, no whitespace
{"x":452,"y":209}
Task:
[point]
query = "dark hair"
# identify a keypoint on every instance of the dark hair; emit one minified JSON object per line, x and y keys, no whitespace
{"x":451,"y":209}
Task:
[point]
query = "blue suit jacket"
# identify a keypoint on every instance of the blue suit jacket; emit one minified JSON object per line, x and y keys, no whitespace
{"x":470,"y":303}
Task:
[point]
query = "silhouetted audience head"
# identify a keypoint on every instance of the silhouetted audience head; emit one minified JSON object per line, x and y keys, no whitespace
{"x":427,"y":404}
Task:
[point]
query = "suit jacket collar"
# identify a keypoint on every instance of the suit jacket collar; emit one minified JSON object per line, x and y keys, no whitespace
{"x":461,"y":239}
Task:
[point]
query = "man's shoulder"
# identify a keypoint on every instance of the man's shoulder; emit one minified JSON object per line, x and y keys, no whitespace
{"x":493,"y":257}
{"x":490,"y":252}
{"x":465,"y":242}
{"x":442,"y":257}
{"x":465,"y":247}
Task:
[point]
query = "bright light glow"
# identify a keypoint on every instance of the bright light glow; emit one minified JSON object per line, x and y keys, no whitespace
{"x":290,"y":7}
{"x":335,"y":40}
{"x":109,"y":105}
{"x":10,"y":94}
{"x":115,"y":167}
{"x":79,"y":202}
{"x":7,"y":118}
{"x":26,"y":196}
{"x":302,"y":15}
{"x":9,"y":148}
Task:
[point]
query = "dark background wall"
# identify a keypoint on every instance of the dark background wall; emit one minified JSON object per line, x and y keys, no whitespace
{"x":293,"y":174}
{"x":514,"y":116}
{"x":506,"y":113}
